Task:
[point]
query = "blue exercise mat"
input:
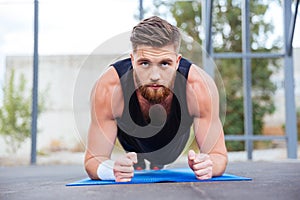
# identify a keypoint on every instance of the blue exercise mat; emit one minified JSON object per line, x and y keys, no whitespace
{"x":161,"y":176}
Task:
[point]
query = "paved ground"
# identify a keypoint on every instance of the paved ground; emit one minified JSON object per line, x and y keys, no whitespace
{"x":271,"y":180}
{"x":76,"y":158}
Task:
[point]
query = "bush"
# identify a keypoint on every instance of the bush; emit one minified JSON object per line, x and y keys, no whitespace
{"x":15,"y":114}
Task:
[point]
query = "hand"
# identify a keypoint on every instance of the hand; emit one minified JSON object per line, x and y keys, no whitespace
{"x":123,"y":168}
{"x":201,"y":164}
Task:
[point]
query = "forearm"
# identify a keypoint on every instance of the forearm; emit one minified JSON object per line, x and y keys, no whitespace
{"x":219,"y":163}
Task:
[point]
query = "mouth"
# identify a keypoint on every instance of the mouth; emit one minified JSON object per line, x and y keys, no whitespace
{"x":155,"y":86}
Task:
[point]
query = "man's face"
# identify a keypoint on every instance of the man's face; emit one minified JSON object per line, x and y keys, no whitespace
{"x":155,"y":71}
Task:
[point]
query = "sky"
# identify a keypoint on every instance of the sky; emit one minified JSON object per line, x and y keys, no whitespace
{"x":65,"y":26}
{"x":74,"y":26}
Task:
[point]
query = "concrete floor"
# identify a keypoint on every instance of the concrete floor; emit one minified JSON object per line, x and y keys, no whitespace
{"x":271,"y":180}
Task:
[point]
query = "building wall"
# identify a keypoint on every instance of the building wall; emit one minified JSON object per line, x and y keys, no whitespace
{"x":64,"y":124}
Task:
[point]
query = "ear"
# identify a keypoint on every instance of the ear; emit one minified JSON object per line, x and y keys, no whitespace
{"x":132,"y":59}
{"x":178,"y":60}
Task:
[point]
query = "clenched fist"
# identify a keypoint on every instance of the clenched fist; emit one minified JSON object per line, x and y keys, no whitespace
{"x":123,"y":167}
{"x":201,"y":164}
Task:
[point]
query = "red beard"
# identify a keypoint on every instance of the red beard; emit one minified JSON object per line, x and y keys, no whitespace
{"x":154,"y":96}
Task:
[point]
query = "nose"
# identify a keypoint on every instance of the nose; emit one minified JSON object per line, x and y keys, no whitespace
{"x":155,"y":75}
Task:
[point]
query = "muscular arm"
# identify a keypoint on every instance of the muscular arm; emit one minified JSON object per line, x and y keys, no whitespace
{"x":207,"y":125}
{"x":103,"y":129}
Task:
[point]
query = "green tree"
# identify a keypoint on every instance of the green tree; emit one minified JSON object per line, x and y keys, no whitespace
{"x":15,"y":114}
{"x":227,"y":37}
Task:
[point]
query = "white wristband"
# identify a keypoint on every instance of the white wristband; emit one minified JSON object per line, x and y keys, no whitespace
{"x":105,"y":170}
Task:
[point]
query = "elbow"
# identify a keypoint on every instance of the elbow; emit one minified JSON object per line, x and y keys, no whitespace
{"x":91,"y":169}
{"x":219,"y":165}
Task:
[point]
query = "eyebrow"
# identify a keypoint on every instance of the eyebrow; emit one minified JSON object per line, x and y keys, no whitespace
{"x":166,"y":60}
{"x":143,"y":60}
{"x":161,"y":61}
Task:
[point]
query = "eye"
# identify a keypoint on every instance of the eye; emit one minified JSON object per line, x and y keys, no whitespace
{"x":165,"y":64}
{"x":144,"y":64}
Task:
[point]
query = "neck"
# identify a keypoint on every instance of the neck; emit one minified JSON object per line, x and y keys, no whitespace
{"x":145,"y":105}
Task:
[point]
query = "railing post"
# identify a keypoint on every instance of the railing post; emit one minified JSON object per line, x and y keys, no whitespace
{"x":247,"y":78}
{"x":289,"y":85}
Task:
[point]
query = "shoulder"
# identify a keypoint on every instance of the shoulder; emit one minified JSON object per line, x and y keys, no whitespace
{"x":201,"y":88}
{"x":107,"y":92}
{"x":198,"y":77}
{"x":108,"y":80}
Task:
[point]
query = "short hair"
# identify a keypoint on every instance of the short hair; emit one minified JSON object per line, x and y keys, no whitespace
{"x":155,"y":32}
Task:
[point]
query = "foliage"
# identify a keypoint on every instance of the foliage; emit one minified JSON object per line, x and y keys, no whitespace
{"x":15,"y":114}
{"x":227,"y":37}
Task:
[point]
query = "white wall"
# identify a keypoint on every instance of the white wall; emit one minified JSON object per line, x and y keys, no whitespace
{"x":61,"y":77}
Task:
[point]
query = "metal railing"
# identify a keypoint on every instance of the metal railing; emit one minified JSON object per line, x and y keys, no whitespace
{"x":287,"y":55}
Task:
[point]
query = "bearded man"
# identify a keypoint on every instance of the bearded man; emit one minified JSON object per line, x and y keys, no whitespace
{"x":149,"y":102}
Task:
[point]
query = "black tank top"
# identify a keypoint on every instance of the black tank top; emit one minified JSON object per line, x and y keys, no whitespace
{"x":138,"y":135}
